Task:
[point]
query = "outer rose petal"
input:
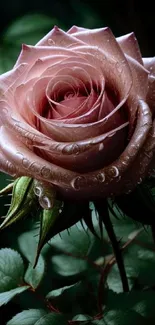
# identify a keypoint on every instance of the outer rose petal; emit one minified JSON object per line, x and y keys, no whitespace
{"x":149,"y":64}
{"x":6,"y":166}
{"x":129,"y":45}
{"x":57,"y":37}
{"x":9,"y":78}
{"x":75,"y":29}
{"x":30,"y":54}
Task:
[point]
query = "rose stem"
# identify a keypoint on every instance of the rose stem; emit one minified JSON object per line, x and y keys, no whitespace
{"x":103,"y":212}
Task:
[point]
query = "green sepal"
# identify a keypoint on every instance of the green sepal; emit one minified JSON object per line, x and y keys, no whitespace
{"x":23,"y":199}
{"x":48,"y":218}
{"x":7,"y":189}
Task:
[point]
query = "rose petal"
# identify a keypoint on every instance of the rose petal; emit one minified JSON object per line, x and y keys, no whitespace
{"x":129,"y":45}
{"x":141,"y":167}
{"x":10,"y":78}
{"x":77,"y":156}
{"x":138,"y":90}
{"x":41,"y":65}
{"x":30,"y":54}
{"x":113,"y":180}
{"x":149,"y":64}
{"x":57,"y":37}
{"x":103,"y":39}
{"x":75,"y":29}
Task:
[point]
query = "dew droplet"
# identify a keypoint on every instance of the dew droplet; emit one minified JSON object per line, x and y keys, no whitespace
{"x":45,"y":202}
{"x":101,"y":177}
{"x":25,"y":163}
{"x":78,"y":182}
{"x":38,"y":190}
{"x":50,"y":41}
{"x":34,"y":168}
{"x":45,"y":172}
{"x":113,"y":172}
{"x":11,"y":168}
{"x":72,"y":149}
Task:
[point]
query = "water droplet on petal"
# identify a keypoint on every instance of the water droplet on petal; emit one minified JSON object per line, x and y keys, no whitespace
{"x":113,"y":172}
{"x":45,"y":172}
{"x":50,"y":41}
{"x":101,"y":177}
{"x":34,"y":168}
{"x":25,"y":163}
{"x":72,"y":149}
{"x":11,"y":168}
{"x":78,"y":182}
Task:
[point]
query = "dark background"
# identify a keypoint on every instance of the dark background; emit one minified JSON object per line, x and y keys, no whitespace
{"x":121,"y":16}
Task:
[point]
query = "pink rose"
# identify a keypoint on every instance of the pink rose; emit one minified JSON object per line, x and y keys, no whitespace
{"x":77,"y":112}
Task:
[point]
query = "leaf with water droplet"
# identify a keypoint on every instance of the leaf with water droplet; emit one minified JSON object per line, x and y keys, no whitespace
{"x":22,"y":201}
{"x":48,"y":219}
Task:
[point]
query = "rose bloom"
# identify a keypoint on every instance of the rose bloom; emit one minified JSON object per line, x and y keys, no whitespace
{"x":77,"y":112}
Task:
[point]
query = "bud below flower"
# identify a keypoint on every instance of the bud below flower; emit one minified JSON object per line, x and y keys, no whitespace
{"x":23,"y":199}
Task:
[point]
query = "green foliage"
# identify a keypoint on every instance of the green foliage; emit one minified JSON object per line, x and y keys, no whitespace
{"x":11,"y":269}
{"x":6,"y":296}
{"x":27,"y":317}
{"x":28,"y":246}
{"x":75,"y":241}
{"x":37,"y":317}
{"x":119,"y":317}
{"x":65,"y":283}
{"x":75,"y":279}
